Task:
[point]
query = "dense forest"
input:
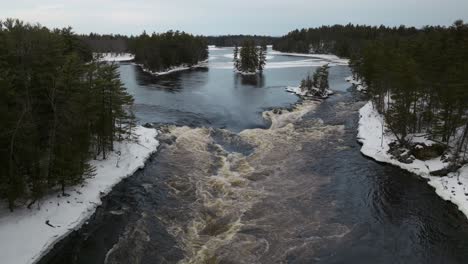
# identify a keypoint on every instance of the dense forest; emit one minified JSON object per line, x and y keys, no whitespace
{"x":107,"y":43}
{"x":250,"y":58}
{"x":160,"y":52}
{"x":341,"y":40}
{"x":233,"y":40}
{"x":59,"y":109}
{"x":121,"y":43}
{"x":420,"y":84}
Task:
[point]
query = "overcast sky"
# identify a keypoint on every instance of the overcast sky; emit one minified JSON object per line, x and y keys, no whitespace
{"x":215,"y":17}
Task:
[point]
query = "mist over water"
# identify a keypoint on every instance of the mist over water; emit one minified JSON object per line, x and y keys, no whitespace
{"x":237,"y":182}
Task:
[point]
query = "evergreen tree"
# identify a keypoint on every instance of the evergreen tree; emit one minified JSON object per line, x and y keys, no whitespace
{"x":236,"y":57}
{"x":249,"y":61}
{"x":160,"y":52}
{"x":318,"y":84}
{"x":262,"y":51}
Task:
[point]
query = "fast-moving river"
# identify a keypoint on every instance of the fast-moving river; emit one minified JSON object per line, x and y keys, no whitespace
{"x":238,"y":181}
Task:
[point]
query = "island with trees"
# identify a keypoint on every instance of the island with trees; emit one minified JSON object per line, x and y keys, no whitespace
{"x":167,"y":52}
{"x":249,"y":58}
{"x":316,"y":86}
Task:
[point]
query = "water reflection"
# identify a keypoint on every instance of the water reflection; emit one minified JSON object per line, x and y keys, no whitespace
{"x":255,"y":80}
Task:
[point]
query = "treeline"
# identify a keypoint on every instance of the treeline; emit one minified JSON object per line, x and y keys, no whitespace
{"x":343,"y":41}
{"x":420,"y":83}
{"x":107,"y":43}
{"x":233,"y":40}
{"x":159,"y":52}
{"x":58,"y":109}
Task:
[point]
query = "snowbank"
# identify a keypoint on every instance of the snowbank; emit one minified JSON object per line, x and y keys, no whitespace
{"x":25,"y":235}
{"x":115,"y":57}
{"x":375,"y":144}
{"x":360,"y":86}
{"x":179,"y":68}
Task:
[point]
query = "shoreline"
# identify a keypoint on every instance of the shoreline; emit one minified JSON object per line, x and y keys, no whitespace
{"x":375,"y":145}
{"x":26,"y":235}
{"x":182,"y":67}
{"x":303,"y":94}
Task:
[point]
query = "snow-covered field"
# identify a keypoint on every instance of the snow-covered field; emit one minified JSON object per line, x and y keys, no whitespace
{"x":375,"y":144}
{"x":115,"y":57}
{"x":28,"y":234}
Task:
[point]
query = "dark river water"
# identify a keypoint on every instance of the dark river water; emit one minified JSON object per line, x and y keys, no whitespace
{"x":236,"y":183}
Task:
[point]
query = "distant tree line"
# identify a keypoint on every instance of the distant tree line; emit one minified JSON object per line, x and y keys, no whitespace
{"x":341,"y":40}
{"x":107,"y":43}
{"x":59,"y":108}
{"x":250,"y":58}
{"x":121,"y":43}
{"x":159,"y":52}
{"x":233,"y":40}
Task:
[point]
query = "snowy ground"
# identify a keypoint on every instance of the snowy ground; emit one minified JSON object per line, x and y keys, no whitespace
{"x":179,"y":68}
{"x":452,"y":187}
{"x":115,"y":57}
{"x":360,"y":86}
{"x":298,"y":91}
{"x":24,"y":234}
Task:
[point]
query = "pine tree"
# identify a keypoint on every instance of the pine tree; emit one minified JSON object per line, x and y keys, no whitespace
{"x":262,"y":51}
{"x":236,"y":57}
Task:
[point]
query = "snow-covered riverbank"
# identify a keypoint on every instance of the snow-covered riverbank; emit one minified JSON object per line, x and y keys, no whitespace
{"x":305,"y":93}
{"x":179,"y":68}
{"x":375,"y":144}
{"x":28,"y":234}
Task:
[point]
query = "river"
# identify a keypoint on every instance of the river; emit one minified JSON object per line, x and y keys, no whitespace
{"x":231,"y":186}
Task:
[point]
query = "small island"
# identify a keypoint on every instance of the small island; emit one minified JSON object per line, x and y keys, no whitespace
{"x":317,"y":86}
{"x":250,"y":59}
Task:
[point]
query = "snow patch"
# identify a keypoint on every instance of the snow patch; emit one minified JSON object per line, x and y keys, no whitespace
{"x":358,"y":83}
{"x":28,"y":234}
{"x":375,"y":144}
{"x":213,"y":47}
{"x":304,"y":93}
{"x":114,"y":57}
